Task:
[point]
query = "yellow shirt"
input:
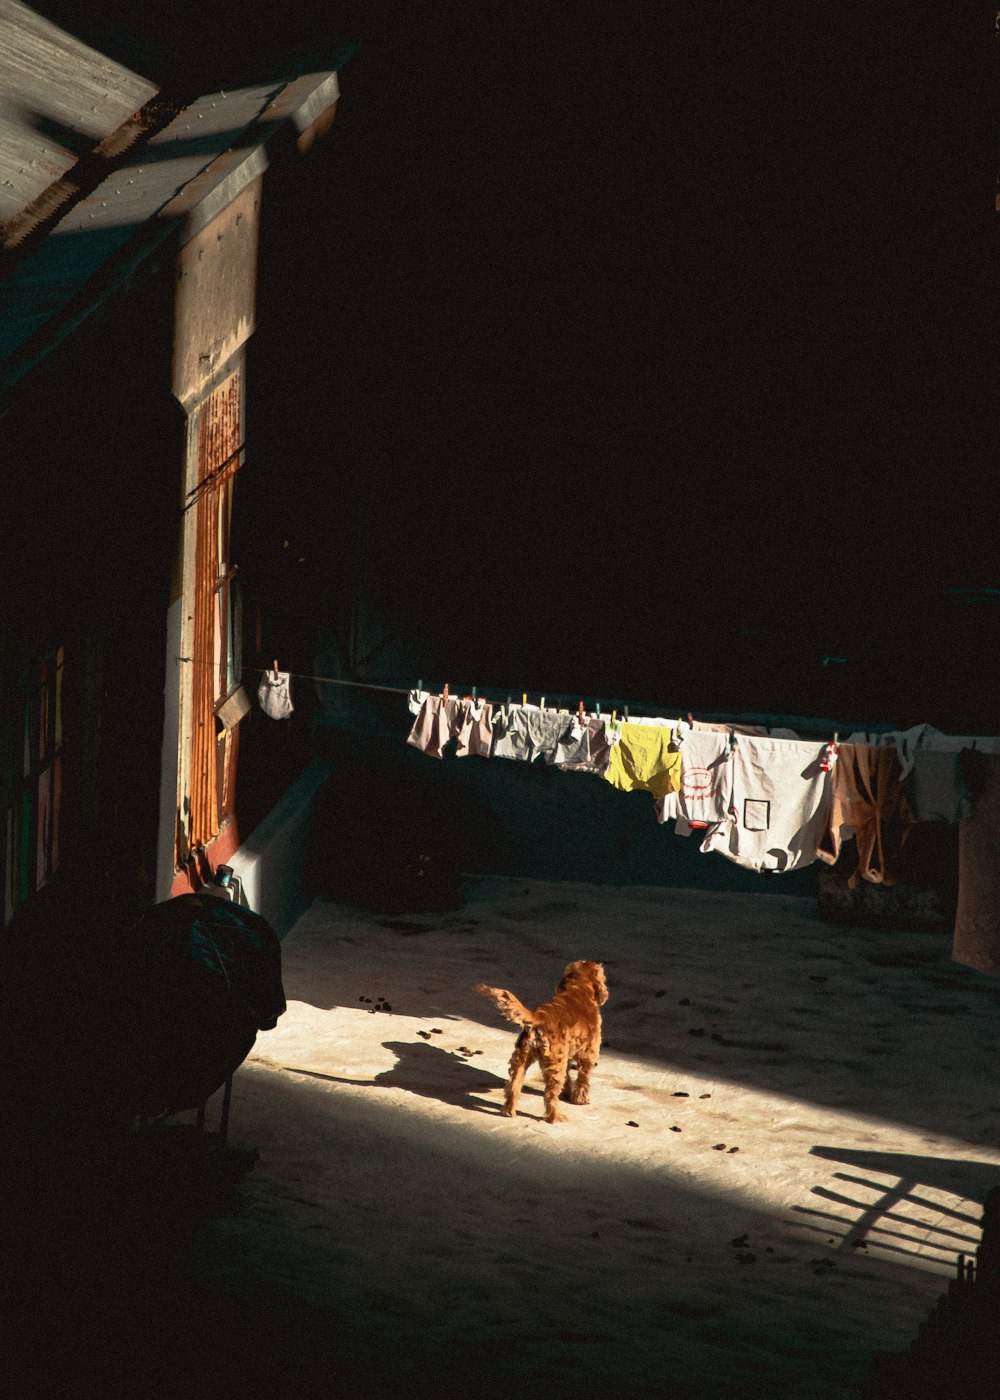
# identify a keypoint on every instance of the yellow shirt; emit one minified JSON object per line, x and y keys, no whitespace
{"x":642,"y":760}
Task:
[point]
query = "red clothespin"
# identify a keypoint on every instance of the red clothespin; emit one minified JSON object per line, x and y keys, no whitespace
{"x":690,"y":719}
{"x":581,"y":711}
{"x":444,"y":692}
{"x":274,"y":663}
{"x":830,"y":754}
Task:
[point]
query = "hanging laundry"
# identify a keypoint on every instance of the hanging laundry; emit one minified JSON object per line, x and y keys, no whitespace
{"x":584,"y":749}
{"x":474,"y":728}
{"x":704,"y":797}
{"x":275,"y":695}
{"x":780,"y":805}
{"x":644,"y":759}
{"x":976,"y":941}
{"x":924,"y":738}
{"x":868,"y":803}
{"x":437,"y":721}
{"x":526,"y":732}
{"x":936,"y":789}
{"x":934,"y":783}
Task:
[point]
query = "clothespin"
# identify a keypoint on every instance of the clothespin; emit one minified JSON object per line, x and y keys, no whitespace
{"x":690,"y":719}
{"x":598,"y":709}
{"x":614,"y":716}
{"x":444,"y":692}
{"x":473,"y":692}
{"x":524,"y":698}
{"x":626,"y":712}
{"x":580,"y":711}
{"x":274,"y":663}
{"x":420,"y":685}
{"x":830,"y":754}
{"x":542,"y":703}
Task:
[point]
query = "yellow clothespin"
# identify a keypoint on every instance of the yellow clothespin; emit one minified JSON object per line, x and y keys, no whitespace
{"x":524,"y":698}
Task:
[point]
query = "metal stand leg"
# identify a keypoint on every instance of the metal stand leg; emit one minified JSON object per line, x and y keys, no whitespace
{"x":227,"y":1095}
{"x":227,"y":1098}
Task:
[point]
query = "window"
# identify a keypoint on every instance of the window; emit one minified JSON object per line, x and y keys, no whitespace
{"x":31,"y":761}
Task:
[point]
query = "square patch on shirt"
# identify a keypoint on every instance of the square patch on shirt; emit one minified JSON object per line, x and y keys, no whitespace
{"x":756,"y":814}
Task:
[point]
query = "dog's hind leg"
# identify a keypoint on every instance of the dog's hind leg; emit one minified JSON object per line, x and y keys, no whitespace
{"x":523,"y":1056}
{"x":555,"y":1066}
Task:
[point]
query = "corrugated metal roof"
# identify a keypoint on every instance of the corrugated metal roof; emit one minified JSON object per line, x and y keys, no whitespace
{"x":58,"y":99}
{"x":207,"y":153}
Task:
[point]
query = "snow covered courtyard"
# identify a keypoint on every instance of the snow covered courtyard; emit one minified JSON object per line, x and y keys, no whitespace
{"x":791,"y":1134}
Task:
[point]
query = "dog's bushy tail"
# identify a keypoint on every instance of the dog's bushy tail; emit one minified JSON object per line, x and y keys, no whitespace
{"x":508,"y":1003}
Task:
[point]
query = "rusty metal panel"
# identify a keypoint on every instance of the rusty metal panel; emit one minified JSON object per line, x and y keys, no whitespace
{"x":219,"y":455}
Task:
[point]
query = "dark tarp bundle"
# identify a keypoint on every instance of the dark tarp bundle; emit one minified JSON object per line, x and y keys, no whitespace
{"x":209,"y":978}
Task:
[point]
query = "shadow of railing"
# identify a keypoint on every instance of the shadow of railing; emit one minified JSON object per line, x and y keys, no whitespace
{"x":956,"y":1350}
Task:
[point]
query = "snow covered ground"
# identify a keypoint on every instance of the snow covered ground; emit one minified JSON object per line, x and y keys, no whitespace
{"x":791,"y":1134}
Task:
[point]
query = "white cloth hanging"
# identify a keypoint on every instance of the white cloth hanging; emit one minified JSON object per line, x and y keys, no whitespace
{"x":274,"y":694}
{"x":779,"y":804}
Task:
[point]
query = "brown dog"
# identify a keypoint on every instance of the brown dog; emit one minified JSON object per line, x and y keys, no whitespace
{"x":567,"y":1027}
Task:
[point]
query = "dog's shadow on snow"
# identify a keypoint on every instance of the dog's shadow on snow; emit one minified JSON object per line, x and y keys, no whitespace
{"x":432,"y":1072}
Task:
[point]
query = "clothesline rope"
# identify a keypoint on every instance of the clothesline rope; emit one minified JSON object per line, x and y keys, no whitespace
{"x":300,"y":676}
{"x":559,"y":701}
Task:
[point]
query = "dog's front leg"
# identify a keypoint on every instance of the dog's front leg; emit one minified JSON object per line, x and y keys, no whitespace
{"x":580,"y":1091}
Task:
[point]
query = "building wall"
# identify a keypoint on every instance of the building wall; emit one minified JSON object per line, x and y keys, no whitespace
{"x":213,"y":318}
{"x":93,"y":442}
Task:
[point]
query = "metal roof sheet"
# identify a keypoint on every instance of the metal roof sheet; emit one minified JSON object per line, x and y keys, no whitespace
{"x":199,"y":161}
{"x":58,"y":98}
